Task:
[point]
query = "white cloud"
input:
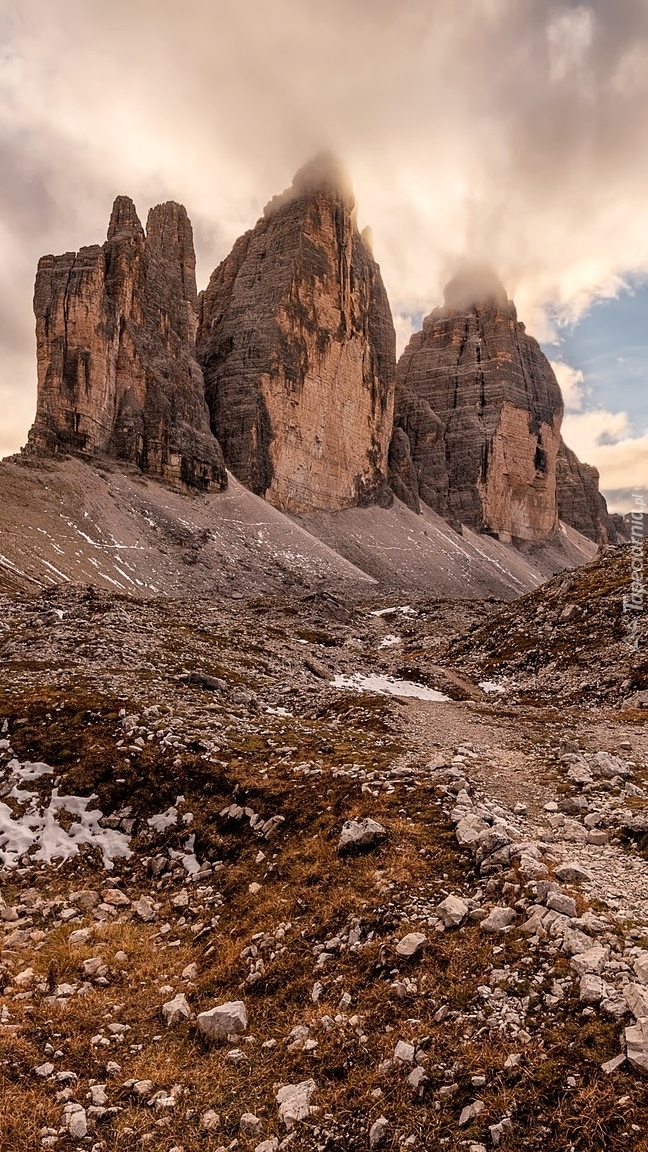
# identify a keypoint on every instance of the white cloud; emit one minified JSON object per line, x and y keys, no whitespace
{"x":572,"y":385}
{"x":511,"y":131}
{"x":605,"y":439}
{"x":569,"y":36}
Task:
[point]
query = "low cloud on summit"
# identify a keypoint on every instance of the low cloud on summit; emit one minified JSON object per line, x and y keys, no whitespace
{"x":513,"y":132}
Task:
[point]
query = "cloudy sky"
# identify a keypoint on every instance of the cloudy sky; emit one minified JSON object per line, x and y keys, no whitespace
{"x":509,"y":130}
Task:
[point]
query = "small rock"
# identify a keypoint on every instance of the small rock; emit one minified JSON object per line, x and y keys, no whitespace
{"x":417,"y":1078}
{"x":176,"y":1010}
{"x":115,"y":898}
{"x":360,"y":835}
{"x":98,"y":1095}
{"x":404,"y":1053}
{"x":572,"y":873}
{"x":44,"y":1070}
{"x":562,"y":903}
{"x":210,"y":1120}
{"x":294,"y":1102}
{"x":614,"y":1064}
{"x":190,"y":972}
{"x":224,"y":1020}
{"x":452,"y":911}
{"x":597,"y":836}
{"x":636,"y":1038}
{"x":250,"y":1125}
{"x":145,"y":909}
{"x":592,"y":988}
{"x":270,"y":1145}
{"x":412,"y":945}
{"x":471,"y":1112}
{"x":378,"y":1131}
{"x":498,"y":919}
{"x":504,"y":1127}
{"x":94,"y":966}
{"x":75,"y":1121}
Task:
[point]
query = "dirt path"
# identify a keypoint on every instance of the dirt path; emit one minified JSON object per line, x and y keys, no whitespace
{"x":510,"y":756}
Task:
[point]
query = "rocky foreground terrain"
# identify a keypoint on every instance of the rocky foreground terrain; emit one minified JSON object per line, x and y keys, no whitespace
{"x":320,"y":870}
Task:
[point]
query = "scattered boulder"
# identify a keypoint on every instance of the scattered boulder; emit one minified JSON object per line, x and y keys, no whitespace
{"x":452,"y":911}
{"x":562,"y":904}
{"x":636,"y":997}
{"x":145,"y":909}
{"x":572,"y":873}
{"x":176,"y":1010}
{"x":498,"y":919}
{"x":641,"y":967}
{"x":592,"y":988}
{"x":411,"y":946}
{"x":360,"y":836}
{"x":224,"y":1020}
{"x":593,"y":960}
{"x":250,"y":1125}
{"x":636,"y":1038}
{"x":294,"y":1102}
{"x":75,"y":1121}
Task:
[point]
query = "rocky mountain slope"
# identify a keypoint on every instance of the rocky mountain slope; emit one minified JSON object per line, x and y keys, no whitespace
{"x":178,"y":777}
{"x":115,"y":333}
{"x":579,"y":501}
{"x":102,"y":524}
{"x":577,"y":637}
{"x":298,"y":349}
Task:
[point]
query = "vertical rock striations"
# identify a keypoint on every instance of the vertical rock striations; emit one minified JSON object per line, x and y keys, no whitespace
{"x":115,"y":333}
{"x":580,"y":504}
{"x":297,"y":346}
{"x":482,"y":410}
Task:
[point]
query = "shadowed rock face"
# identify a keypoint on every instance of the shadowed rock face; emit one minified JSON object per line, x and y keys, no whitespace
{"x":482,"y":410}
{"x":297,"y":346}
{"x":580,"y":504}
{"x":115,"y":331}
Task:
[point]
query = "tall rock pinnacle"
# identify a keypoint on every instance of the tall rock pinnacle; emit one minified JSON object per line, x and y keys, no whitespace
{"x":115,"y":332}
{"x":482,"y":410}
{"x":297,"y":346}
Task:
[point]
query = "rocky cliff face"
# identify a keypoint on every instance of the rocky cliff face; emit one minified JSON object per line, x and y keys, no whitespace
{"x":482,"y":410}
{"x":580,"y":504}
{"x":115,"y":331}
{"x":297,"y":346}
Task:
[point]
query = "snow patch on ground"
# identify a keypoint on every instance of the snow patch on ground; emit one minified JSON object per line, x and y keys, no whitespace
{"x":491,"y":686}
{"x":164,"y":820}
{"x":38,"y":826}
{"x":388,"y":686}
{"x":404,"y":609}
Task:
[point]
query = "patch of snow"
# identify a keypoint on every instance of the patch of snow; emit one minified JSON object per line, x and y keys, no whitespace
{"x":28,"y":770}
{"x":164,"y":820}
{"x":389,"y":641}
{"x":404,"y":609}
{"x":491,"y":686}
{"x":388,"y":686}
{"x":38,"y":827}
